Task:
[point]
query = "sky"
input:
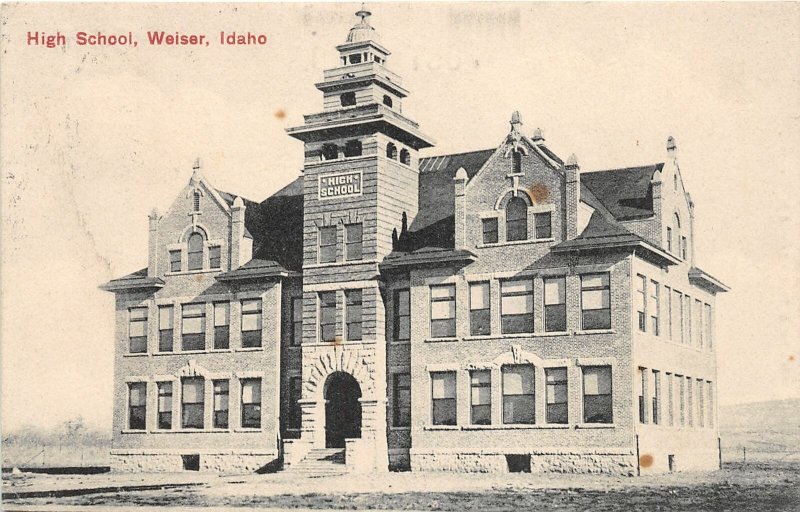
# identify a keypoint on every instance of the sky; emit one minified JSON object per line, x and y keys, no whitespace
{"x":93,"y":138}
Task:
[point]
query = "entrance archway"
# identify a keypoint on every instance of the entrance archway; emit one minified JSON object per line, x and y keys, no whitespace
{"x":342,"y":409}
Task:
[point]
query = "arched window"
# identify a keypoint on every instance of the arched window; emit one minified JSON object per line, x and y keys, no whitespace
{"x":348,"y":99}
{"x":516,"y":159}
{"x":391,"y":151}
{"x":405,"y":156}
{"x":330,"y":152}
{"x":352,"y":148}
{"x":195,"y":251}
{"x":516,"y":219}
{"x":677,"y":221}
{"x":387,"y":100}
{"x":196,"y":201}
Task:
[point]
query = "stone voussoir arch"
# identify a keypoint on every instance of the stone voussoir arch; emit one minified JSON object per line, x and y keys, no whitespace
{"x":351,"y":362}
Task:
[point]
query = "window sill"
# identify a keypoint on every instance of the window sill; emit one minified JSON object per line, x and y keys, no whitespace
{"x":521,"y":426}
{"x":339,"y":263}
{"x":193,"y":272}
{"x":245,"y":430}
{"x":134,"y":431}
{"x":221,"y":350}
{"x":596,"y":331}
{"x":580,"y":426}
{"x":399,"y":429}
{"x":137,"y":354}
{"x":516,"y":242}
{"x":400,"y":342}
{"x":441,"y":340}
{"x":249,"y":349}
{"x":191,"y":431}
{"x":554,"y":333}
{"x":192,"y":352}
{"x":441,"y":427}
{"x":334,"y":343}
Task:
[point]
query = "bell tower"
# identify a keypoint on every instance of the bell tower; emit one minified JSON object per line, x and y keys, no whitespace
{"x":360,"y":175}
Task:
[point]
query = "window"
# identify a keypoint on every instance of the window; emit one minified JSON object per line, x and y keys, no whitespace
{"x":166,"y":327}
{"x":327,"y":316}
{"x":402,"y":315}
{"x":641,"y":301}
{"x":164,"y":405}
{"x":516,"y":219}
{"x":386,"y":99}
{"x":641,"y":384}
{"x":543,"y":225}
{"x":481,"y":397}
{"x":701,"y":406}
{"x":655,"y":309}
{"x":557,"y":408}
{"x":391,"y":151}
{"x":710,"y":402}
{"x":443,"y":394}
{"x":295,"y":393}
{"x":555,"y":304}
{"x":174,"y":261}
{"x":405,"y":157}
{"x":518,"y":394}
{"x":708,"y":327}
{"x":330,"y":152}
{"x":687,"y":306}
{"x":656,"y":387}
{"x":251,"y":323}
{"x":355,"y":58}
{"x":670,"y":400}
{"x":327,"y":244}
{"x":678,"y":309}
{"x":698,"y":315}
{"x":489,"y":230}
{"x":353,"y":314}
{"x":221,"y":405}
{"x":669,"y":239}
{"x":194,"y":327}
{"x":354,"y":234}
{"x":192,"y":402}
{"x":443,"y":311}
{"x":595,"y":302}
{"x":690,"y":401}
{"x":137,"y":330}
{"x":352,"y":148}
{"x":401,"y":406}
{"x":196,"y":201}
{"x":137,"y":405}
{"x":215,"y":256}
{"x":251,"y":403}
{"x":348,"y":99}
{"x":297,"y":322}
{"x":479,"y":309}
{"x":516,"y":306}
{"x":669,"y":315}
{"x":195,"y":251}
{"x":516,"y":162}
{"x":682,"y":398}
{"x":684,"y":247}
{"x":222,"y":321}
{"x":597,"y":403}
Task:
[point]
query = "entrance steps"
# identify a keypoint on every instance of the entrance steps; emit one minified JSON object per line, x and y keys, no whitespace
{"x":321,"y":462}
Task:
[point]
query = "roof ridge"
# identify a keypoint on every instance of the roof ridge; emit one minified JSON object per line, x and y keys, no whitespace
{"x":456,"y":154}
{"x":655,"y":165}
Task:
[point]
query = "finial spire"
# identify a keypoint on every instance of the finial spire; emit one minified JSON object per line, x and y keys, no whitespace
{"x":196,"y":170}
{"x":363,"y":13}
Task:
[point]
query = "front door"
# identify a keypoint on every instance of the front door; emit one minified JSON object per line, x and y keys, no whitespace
{"x":342,"y":409}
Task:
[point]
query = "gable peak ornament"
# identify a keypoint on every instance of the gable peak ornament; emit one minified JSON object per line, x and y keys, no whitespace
{"x":515,"y":135}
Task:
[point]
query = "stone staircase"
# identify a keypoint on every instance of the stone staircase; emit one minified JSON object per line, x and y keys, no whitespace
{"x":321,"y":462}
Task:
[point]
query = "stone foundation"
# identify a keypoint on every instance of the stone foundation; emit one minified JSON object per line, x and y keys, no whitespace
{"x":212,"y":462}
{"x":616,"y":463}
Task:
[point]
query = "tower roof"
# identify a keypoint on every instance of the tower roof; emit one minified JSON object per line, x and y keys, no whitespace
{"x":362,"y":31}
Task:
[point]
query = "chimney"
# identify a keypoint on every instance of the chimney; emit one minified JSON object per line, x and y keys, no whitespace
{"x":460,"y":185}
{"x":238,"y":243}
{"x":672,"y":149}
{"x":152,"y":257}
{"x":573,"y":182}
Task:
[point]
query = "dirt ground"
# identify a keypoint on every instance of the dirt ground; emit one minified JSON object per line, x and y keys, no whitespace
{"x":751,"y":487}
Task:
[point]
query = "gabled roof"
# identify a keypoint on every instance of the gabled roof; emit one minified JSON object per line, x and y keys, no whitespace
{"x":134,"y":281}
{"x":625,"y":192}
{"x":279,"y":233}
{"x":254,"y":269}
{"x":436,"y":193}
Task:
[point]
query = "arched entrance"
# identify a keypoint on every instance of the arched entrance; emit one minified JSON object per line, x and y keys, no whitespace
{"x":342,"y":409}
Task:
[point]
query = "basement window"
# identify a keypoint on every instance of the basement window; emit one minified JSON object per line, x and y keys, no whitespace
{"x":518,"y":463}
{"x":191,"y":462}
